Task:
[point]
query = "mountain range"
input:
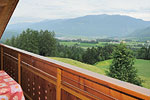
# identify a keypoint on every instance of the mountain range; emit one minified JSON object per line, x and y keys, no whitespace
{"x":141,"y":33}
{"x":89,"y":26}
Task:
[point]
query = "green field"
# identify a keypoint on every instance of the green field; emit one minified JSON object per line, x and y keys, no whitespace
{"x":80,"y":64}
{"x":87,"y":45}
{"x":68,"y":43}
{"x":84,"y":45}
{"x":143,"y":67}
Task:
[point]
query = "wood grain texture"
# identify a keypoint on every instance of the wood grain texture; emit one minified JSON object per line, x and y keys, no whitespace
{"x":19,"y":68}
{"x":58,"y":85}
{"x":6,"y":10}
{"x":3,"y":2}
{"x":1,"y":58}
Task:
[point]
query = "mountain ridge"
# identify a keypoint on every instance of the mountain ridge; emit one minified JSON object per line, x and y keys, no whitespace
{"x":89,"y":25}
{"x":141,"y":33}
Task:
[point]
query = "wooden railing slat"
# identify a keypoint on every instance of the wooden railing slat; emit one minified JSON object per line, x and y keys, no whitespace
{"x":2,"y":58}
{"x":58,"y":85}
{"x":82,"y":97}
{"x":19,"y":68}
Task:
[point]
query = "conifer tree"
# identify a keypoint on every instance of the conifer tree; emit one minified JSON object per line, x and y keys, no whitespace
{"x":122,"y":66}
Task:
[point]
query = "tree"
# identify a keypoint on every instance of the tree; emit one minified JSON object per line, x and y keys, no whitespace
{"x":90,"y":56}
{"x":144,"y":53}
{"x":47,"y":43}
{"x":122,"y":66}
{"x":42,"y":42}
{"x":7,"y":42}
{"x":107,"y":51}
{"x":12,"y":41}
{"x":74,"y":52}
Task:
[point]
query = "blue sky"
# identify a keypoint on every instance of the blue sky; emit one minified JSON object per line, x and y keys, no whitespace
{"x":36,"y":10}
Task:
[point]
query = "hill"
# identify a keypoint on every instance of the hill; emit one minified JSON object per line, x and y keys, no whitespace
{"x":141,"y":33}
{"x":143,"y":67}
{"x":79,"y":64}
{"x":89,"y":26}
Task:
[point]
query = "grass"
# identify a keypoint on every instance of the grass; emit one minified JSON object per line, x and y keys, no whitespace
{"x":68,"y":43}
{"x":104,"y":65}
{"x":143,"y":67}
{"x":89,"y":45}
{"x":84,"y":45}
{"x":79,"y":64}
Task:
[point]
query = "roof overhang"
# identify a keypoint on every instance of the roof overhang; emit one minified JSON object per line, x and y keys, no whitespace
{"x":7,"y":8}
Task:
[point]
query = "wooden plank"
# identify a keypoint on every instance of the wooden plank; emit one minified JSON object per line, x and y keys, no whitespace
{"x":82,"y":97}
{"x":2,"y":58}
{"x":26,"y":95}
{"x":80,"y":91}
{"x":40,"y":75}
{"x":58,"y":86}
{"x":19,"y":68}
{"x":81,"y":81}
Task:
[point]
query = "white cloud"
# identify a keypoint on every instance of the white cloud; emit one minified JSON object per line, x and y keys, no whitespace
{"x":54,"y":9}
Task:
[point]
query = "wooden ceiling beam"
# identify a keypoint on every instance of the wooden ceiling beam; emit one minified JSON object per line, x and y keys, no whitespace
{"x":6,"y":13}
{"x":3,"y":2}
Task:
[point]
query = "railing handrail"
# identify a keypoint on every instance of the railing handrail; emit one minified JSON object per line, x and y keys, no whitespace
{"x":114,"y":84}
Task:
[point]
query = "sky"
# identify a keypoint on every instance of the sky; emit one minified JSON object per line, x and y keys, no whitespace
{"x":37,"y":10}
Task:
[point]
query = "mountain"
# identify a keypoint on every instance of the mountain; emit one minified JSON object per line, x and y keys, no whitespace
{"x":9,"y":33}
{"x":15,"y":20}
{"x":89,"y":26}
{"x":141,"y":33}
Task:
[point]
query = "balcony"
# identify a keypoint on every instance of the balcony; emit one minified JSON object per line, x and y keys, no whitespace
{"x":42,"y":78}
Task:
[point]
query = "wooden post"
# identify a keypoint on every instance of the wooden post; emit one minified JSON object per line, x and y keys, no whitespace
{"x":19,"y":68}
{"x":2,"y":59}
{"x":58,"y":85}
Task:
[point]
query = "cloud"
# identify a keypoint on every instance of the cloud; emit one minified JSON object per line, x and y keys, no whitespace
{"x":54,"y":9}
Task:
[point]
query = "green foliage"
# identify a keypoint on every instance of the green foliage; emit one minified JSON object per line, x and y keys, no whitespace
{"x":42,"y":42}
{"x":144,"y":53}
{"x":122,"y":66}
{"x":47,"y":44}
{"x":73,"y":52}
{"x":90,"y":56}
{"x":95,"y":54}
{"x":143,"y":67}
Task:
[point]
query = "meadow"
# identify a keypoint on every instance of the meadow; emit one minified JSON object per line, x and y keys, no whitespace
{"x":143,"y":67}
{"x":133,"y":44}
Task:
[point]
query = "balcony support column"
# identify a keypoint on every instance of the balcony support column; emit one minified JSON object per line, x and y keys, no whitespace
{"x":19,"y":68}
{"x":58,"y":86}
{"x":2,"y":58}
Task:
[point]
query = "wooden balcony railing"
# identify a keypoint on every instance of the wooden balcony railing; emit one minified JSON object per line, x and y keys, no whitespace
{"x":46,"y":79}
